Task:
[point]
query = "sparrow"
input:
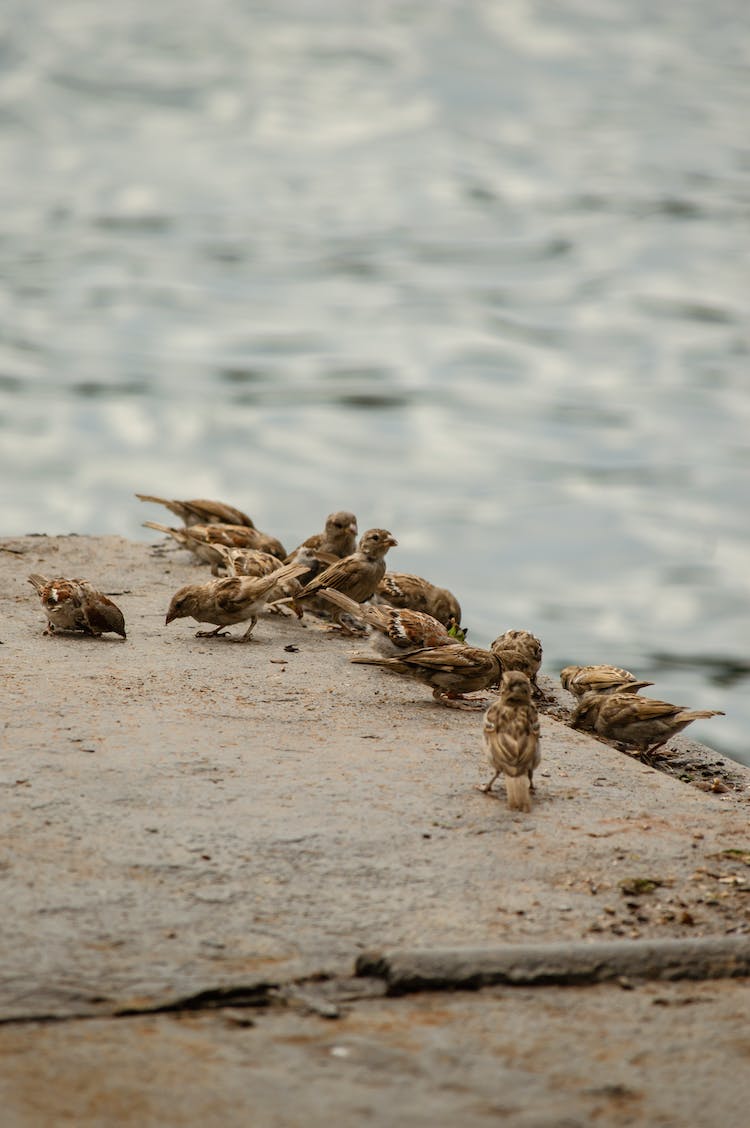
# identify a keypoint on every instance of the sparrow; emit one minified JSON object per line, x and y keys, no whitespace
{"x":252,"y":562}
{"x":579,"y":680}
{"x":247,"y":561}
{"x":74,"y":605}
{"x":234,"y":599}
{"x":200,"y":539}
{"x":199,"y":511}
{"x":452,"y":670}
{"x":643,"y":722}
{"x":519,"y":650}
{"x":356,"y":575}
{"x":396,"y":631}
{"x":338,"y":539}
{"x":511,"y":737}
{"x":400,"y":589}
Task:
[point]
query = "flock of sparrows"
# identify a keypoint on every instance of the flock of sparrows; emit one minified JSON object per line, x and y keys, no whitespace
{"x":414,"y":627}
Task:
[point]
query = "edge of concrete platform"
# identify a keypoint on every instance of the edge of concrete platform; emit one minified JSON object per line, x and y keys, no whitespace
{"x":707,"y":957}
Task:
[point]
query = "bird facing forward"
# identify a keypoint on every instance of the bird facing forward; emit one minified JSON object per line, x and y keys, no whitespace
{"x":74,"y":605}
{"x":519,"y":650}
{"x":511,"y":737}
{"x":452,"y":670}
{"x":642,"y":722}
{"x":225,"y":602}
{"x":338,"y":539}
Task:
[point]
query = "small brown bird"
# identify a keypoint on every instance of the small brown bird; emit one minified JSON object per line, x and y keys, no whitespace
{"x":200,"y":511}
{"x":452,"y":670}
{"x":396,"y":630}
{"x":519,"y":650}
{"x":356,"y":575}
{"x":200,"y":539}
{"x":251,"y":562}
{"x":401,"y":589}
{"x":74,"y":605}
{"x":599,"y":679}
{"x":640,"y":721}
{"x":225,"y":602}
{"x":511,"y":737}
{"x":247,"y":561}
{"x":338,"y":539}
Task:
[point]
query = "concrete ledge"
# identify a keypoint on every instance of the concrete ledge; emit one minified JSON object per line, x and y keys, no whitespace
{"x":709,"y":957}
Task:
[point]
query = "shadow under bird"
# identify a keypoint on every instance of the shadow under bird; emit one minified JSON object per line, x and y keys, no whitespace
{"x":226,"y":602}
{"x":75,"y":605}
{"x":642,"y":722}
{"x":511,"y":737}
{"x":201,"y":511}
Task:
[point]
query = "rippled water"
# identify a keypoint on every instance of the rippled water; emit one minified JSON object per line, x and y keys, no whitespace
{"x":476,"y":270}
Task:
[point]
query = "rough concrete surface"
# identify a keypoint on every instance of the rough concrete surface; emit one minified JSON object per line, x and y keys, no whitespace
{"x":186,"y":816}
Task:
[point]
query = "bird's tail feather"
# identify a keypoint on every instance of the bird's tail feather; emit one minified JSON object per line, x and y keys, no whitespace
{"x":517,"y":789}
{"x":150,"y":497}
{"x":363,"y":611}
{"x":287,"y":572}
{"x":160,"y":528}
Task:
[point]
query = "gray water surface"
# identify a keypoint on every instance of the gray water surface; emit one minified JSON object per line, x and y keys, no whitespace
{"x":477,"y":271}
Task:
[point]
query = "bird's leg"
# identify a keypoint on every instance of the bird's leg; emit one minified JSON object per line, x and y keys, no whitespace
{"x":217,"y":633}
{"x":457,"y":700}
{"x":249,"y":632}
{"x":531,"y":780}
{"x":283,"y":608}
{"x":486,"y":788}
{"x":350,"y":631}
{"x":479,"y":702}
{"x":345,"y":624}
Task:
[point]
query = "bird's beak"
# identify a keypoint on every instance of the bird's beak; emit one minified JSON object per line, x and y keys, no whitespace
{"x":169,"y":618}
{"x":353,"y":528}
{"x":392,"y":542}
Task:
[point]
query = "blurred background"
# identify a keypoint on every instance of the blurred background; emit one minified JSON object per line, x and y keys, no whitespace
{"x":475,"y":270}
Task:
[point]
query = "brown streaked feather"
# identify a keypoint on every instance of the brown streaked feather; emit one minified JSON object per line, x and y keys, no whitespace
{"x":402,"y":589}
{"x":202,"y":511}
